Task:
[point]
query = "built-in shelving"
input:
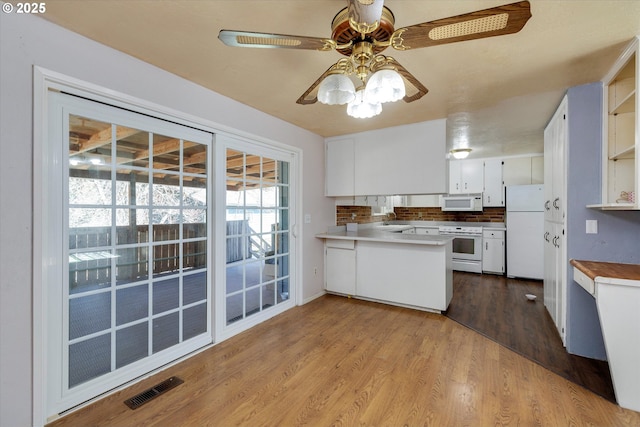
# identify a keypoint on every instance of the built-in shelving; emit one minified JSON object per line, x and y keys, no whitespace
{"x":620,"y":176}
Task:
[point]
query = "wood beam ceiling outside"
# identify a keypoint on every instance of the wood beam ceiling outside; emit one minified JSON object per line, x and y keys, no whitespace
{"x":243,"y":171}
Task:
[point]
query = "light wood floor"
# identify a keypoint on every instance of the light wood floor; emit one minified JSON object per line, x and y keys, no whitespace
{"x":344,"y":362}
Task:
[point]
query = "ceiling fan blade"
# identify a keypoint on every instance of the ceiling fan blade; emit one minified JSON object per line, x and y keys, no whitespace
{"x":417,"y":91}
{"x":267,"y":40}
{"x":364,"y":15}
{"x":496,"y":21}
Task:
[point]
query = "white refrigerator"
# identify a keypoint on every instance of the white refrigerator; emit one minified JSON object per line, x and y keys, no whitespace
{"x":525,"y":231}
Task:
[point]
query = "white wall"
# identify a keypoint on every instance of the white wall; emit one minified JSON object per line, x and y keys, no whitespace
{"x":26,"y":41}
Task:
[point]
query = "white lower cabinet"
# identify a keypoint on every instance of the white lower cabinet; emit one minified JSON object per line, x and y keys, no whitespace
{"x":433,"y":231}
{"x":340,"y":266}
{"x":493,"y":251}
{"x":414,"y":275}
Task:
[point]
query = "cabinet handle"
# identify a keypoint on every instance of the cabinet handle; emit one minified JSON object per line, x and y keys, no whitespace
{"x":546,"y":205}
{"x":546,"y":237}
{"x":555,"y":203}
{"x":489,"y":199}
{"x":486,"y":245}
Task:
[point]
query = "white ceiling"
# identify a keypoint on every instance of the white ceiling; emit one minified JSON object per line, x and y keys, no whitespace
{"x":497,"y":92}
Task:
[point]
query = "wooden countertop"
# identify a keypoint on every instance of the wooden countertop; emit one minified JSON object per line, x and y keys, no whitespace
{"x":595,"y":269}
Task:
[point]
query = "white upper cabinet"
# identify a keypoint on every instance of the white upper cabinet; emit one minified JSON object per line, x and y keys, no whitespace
{"x":466,"y":176}
{"x":409,"y":159}
{"x":523,"y":170}
{"x":620,"y":170}
{"x":493,"y":194}
{"x":339,"y":176}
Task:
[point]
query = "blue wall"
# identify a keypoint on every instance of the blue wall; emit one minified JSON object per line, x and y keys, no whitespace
{"x":618,"y":237}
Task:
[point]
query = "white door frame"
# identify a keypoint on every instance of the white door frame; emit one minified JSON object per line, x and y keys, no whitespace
{"x":45,"y":80}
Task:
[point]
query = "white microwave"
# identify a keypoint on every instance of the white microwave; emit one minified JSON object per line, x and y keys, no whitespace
{"x":462,"y":202}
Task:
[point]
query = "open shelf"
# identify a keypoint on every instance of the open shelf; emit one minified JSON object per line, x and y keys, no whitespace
{"x":620,"y":162}
{"x":628,"y":153}
{"x":615,"y":207}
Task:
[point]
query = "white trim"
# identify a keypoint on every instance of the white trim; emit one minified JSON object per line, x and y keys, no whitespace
{"x":294,"y":157}
{"x":45,"y":80}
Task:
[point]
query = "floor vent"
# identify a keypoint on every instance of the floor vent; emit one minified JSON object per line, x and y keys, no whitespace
{"x":137,"y":401}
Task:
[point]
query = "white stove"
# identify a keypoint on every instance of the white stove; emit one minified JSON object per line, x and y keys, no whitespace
{"x":467,"y":247}
{"x":466,"y":230}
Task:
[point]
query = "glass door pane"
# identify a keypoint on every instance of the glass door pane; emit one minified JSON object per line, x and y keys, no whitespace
{"x":137,"y":246}
{"x":257,"y":244}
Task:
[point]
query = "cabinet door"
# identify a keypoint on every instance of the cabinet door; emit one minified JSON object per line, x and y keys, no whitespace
{"x":537,"y":170}
{"x":407,"y":159}
{"x":455,"y":176}
{"x":517,"y":171}
{"x":493,"y":252}
{"x":340,"y":270}
{"x":558,"y":168}
{"x":493,"y":194}
{"x":339,"y":160}
{"x":550,"y":281}
{"x":472,"y":176}
{"x":433,"y":231}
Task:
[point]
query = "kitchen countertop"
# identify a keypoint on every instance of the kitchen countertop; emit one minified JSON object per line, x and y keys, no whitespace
{"x":594,"y":269}
{"x":372,"y":234}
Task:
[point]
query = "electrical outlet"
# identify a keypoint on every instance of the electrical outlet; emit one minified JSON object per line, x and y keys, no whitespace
{"x":315,"y":271}
{"x":419,"y":214}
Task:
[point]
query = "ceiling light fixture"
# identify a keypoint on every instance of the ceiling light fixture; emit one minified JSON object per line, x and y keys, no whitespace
{"x":336,"y":89}
{"x":361,"y":107}
{"x":460,"y":153}
{"x":381,"y":82}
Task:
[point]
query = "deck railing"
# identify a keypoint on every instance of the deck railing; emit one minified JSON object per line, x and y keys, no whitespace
{"x":94,"y":267}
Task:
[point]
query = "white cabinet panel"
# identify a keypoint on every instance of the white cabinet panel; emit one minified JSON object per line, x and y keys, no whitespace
{"x":433,"y":231}
{"x":517,"y":171}
{"x":493,"y":251}
{"x":537,"y":170}
{"x":416,"y":275}
{"x":466,"y":176}
{"x":339,"y":158}
{"x":340,"y":266}
{"x":493,"y":194}
{"x":408,"y":159}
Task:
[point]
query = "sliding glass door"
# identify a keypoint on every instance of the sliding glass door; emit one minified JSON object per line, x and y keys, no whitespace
{"x":133,"y":290}
{"x":258,"y":226}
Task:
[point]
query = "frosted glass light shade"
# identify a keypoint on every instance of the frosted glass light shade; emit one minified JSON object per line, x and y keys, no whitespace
{"x":385,"y":86}
{"x":360,"y":108}
{"x":336,"y":89}
{"x":460,"y":153}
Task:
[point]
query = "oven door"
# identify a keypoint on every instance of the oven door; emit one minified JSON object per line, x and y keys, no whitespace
{"x":467,"y":247}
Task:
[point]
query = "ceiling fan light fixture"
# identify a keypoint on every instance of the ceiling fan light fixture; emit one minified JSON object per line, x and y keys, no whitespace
{"x":336,"y":89}
{"x":360,"y":108}
{"x":385,"y":86}
{"x":460,"y":153}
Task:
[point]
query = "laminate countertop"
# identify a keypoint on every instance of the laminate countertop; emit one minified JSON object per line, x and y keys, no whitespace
{"x":382,"y":236}
{"x":593,"y":269}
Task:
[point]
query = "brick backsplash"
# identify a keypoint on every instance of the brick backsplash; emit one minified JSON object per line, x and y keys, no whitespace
{"x":436,"y":214}
{"x":364,"y":215}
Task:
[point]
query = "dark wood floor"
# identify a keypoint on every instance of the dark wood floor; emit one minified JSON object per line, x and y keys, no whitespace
{"x":496,"y":307}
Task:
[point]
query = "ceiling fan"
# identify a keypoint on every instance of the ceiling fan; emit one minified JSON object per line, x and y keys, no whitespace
{"x":365,"y":28}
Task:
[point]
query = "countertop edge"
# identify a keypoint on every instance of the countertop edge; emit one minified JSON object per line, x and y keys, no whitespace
{"x":410,"y":239}
{"x":601,"y":269}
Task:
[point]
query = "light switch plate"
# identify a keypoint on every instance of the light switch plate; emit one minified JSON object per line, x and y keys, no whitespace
{"x":307,"y":218}
{"x":592,"y":226}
